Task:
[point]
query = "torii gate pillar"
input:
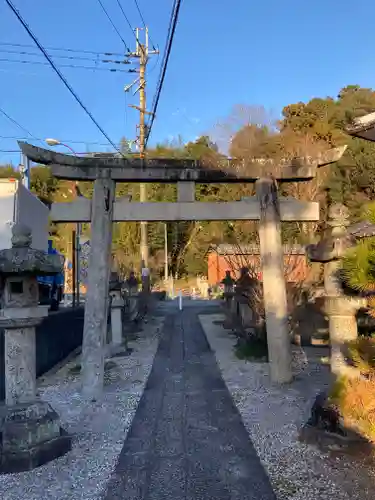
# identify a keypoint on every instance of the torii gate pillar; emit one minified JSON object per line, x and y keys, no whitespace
{"x":96,"y":304}
{"x":274,"y":286}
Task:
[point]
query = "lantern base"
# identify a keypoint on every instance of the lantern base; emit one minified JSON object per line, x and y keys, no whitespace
{"x":31,"y":436}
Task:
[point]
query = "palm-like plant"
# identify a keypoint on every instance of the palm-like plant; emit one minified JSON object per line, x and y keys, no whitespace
{"x":358,"y":265}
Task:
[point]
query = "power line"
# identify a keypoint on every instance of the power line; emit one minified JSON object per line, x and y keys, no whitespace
{"x":37,"y":54}
{"x":16,"y":123}
{"x":22,"y":73}
{"x":140,"y":13}
{"x":61,"y":49}
{"x":63,"y":56}
{"x":156,"y":61}
{"x":75,"y":66}
{"x":163,"y":70}
{"x":60,"y":75}
{"x":17,"y":138}
{"x":125,"y":16}
{"x":129,"y":24}
{"x":113,"y":24}
{"x":14,"y":151}
{"x":143,"y":20}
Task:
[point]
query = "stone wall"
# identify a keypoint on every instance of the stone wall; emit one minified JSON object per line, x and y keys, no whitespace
{"x":58,"y":336}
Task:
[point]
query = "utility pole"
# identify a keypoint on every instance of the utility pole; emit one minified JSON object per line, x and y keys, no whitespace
{"x":142,"y":54}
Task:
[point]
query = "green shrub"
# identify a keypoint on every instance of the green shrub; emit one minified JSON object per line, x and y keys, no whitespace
{"x":254,"y":349}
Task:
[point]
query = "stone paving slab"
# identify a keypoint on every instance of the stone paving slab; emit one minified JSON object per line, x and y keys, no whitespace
{"x":187,"y":440}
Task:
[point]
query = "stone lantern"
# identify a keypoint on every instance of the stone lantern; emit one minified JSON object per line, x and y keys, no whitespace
{"x":30,"y":430}
{"x":340,"y":308}
{"x":132,"y":285}
{"x":244,"y":287}
{"x":228,"y":283}
{"x":117,"y":305}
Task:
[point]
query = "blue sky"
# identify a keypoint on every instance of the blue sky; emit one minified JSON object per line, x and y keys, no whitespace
{"x":267,"y":53}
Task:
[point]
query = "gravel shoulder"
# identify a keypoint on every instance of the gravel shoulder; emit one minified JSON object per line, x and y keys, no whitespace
{"x":273,"y":417}
{"x":99,"y":428}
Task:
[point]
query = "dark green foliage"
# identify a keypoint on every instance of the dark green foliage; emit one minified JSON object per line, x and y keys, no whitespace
{"x":254,"y":349}
{"x":358,"y":265}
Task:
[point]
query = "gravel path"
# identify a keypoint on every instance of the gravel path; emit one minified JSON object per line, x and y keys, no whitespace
{"x":187,"y":440}
{"x":273,"y":417}
{"x":99,"y":428}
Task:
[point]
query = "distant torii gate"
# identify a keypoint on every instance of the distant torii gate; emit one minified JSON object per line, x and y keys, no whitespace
{"x":103,"y":209}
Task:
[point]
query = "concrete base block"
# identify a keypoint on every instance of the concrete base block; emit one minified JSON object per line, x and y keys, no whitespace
{"x":30,"y":436}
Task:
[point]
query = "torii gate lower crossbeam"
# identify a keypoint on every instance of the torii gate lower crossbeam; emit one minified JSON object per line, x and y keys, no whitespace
{"x":103,"y":210}
{"x":80,"y":210}
{"x":265,"y":207}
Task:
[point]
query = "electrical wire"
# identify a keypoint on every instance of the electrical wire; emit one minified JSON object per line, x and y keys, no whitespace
{"x":14,"y":151}
{"x":162,"y":71}
{"x":60,"y":75}
{"x":125,"y":111}
{"x":17,"y":138}
{"x":19,"y":73}
{"x":61,"y":49}
{"x":17,"y":123}
{"x":76,"y":153}
{"x":125,"y":16}
{"x":156,"y":61}
{"x":36,"y":54}
{"x":74,"y":66}
{"x":164,"y":65}
{"x":143,"y":20}
{"x":129,"y":24}
{"x":72,"y":58}
{"x":113,"y":24}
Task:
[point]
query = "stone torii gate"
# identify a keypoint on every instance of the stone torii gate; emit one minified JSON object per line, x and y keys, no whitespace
{"x":104,"y":209}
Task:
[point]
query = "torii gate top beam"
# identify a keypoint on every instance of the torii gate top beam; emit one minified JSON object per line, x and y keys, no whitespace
{"x":171,"y":170}
{"x":363,"y":127}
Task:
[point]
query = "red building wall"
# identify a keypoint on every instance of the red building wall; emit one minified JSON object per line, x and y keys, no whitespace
{"x":296,"y":266}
